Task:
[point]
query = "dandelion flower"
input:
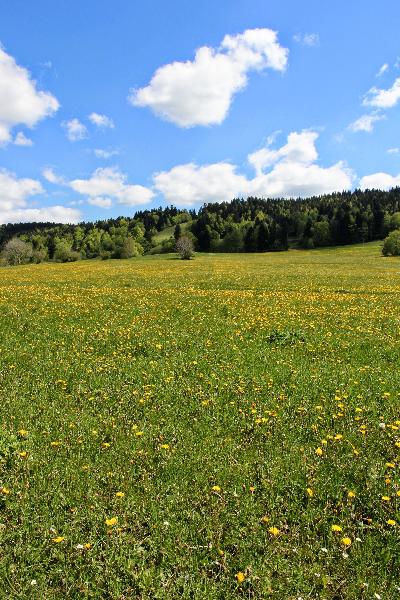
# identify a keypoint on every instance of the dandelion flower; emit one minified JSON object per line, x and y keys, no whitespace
{"x":216,"y":488}
{"x":120,"y":494}
{"x":391,"y":522}
{"x":319,"y":452}
{"x":111,"y":522}
{"x":346,"y":541}
{"x":274,"y":531}
{"x":58,"y":540}
{"x":336,"y":528}
{"x":310,"y":492}
{"x":240,"y":577}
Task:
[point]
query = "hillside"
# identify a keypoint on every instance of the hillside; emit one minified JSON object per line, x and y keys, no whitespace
{"x":252,"y":225}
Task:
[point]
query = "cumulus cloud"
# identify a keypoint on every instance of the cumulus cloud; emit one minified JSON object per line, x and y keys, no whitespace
{"x":101,"y":121}
{"x":393,"y":150}
{"x":379,"y":181}
{"x":300,"y":147}
{"x":20,"y":100}
{"x":75,"y":130}
{"x":293,"y":172}
{"x":100,"y":201}
{"x":200,"y":92}
{"x":108,"y":185}
{"x":14,"y":196}
{"x":365,"y":122}
{"x":190,"y":184}
{"x":382,"y":98}
{"x":51,"y":214}
{"x":307,"y":39}
{"x":21,"y":140}
{"x":14,"y":192}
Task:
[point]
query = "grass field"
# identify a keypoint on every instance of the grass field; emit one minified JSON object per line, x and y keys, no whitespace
{"x":226,"y":427}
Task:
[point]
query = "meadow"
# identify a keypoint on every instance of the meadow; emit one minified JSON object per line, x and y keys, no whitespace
{"x":226,"y":427}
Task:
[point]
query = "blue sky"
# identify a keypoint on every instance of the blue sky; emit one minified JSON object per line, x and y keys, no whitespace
{"x":110,"y":107}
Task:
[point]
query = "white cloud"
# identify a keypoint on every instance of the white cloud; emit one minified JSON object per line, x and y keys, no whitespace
{"x":299,"y":180}
{"x":14,"y":195}
{"x":293,"y":173}
{"x":382,"y":98}
{"x":300,"y":148}
{"x":379,"y":181}
{"x":100,"y":153}
{"x":101,"y":121}
{"x":51,"y":214}
{"x":14,"y":192}
{"x":365,"y":122}
{"x":382,"y":70}
{"x":75,"y":130}
{"x":21,"y":140}
{"x":393,"y":150}
{"x":49,"y":174}
{"x":307,"y":39}
{"x":100,"y":201}
{"x":20,"y":101}
{"x":186,"y":185}
{"x":200,"y":92}
{"x":109,"y":184}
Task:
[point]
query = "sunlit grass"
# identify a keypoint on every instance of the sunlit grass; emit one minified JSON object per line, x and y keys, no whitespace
{"x":210,"y":429}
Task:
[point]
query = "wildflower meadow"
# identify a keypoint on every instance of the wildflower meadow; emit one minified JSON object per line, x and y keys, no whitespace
{"x":217,"y":428}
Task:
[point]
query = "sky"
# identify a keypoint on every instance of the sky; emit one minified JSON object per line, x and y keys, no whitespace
{"x":109,"y":107}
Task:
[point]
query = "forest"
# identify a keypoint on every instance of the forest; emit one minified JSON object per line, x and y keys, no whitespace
{"x":242,"y":225}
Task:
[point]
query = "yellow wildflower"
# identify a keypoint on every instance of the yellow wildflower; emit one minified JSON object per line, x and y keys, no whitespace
{"x":346,"y":541}
{"x":240,"y":577}
{"x":319,"y":452}
{"x":336,"y":528}
{"x":274,"y":531}
{"x":58,"y":540}
{"x":111,"y":522}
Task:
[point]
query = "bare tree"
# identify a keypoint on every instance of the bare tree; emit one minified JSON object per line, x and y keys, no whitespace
{"x":16,"y":252}
{"x":184,"y":247}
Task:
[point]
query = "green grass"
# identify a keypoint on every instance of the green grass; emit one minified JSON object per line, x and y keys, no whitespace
{"x":163,"y":379}
{"x":168,"y":232}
